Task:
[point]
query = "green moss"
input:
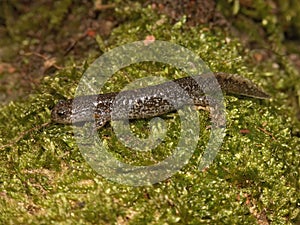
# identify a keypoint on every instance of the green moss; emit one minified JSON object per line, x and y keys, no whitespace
{"x":254,"y":178}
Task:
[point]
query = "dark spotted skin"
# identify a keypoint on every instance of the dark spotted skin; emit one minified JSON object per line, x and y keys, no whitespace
{"x":152,"y":100}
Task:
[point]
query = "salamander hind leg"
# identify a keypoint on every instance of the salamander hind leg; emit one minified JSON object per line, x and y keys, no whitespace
{"x":200,"y":107}
{"x":216,"y":109}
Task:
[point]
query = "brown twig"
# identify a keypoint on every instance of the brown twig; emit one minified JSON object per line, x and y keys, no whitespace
{"x":22,"y":134}
{"x":267,"y":132}
{"x":98,"y":6}
{"x":45,"y":58}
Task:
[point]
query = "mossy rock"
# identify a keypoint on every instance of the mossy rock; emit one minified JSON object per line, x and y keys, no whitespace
{"x":253,"y":180}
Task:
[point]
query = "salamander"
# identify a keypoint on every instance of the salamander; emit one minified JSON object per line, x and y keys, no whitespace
{"x":151,"y":101}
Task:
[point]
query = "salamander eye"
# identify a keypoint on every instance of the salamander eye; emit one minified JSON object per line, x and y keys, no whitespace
{"x":61,"y":112}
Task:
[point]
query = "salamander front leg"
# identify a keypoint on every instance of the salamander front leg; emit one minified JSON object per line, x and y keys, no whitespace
{"x":100,"y":122}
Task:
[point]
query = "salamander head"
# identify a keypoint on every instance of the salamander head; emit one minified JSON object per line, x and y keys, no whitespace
{"x":62,"y":112}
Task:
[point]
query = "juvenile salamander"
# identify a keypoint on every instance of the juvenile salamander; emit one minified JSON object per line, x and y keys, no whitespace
{"x":148,"y":102}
